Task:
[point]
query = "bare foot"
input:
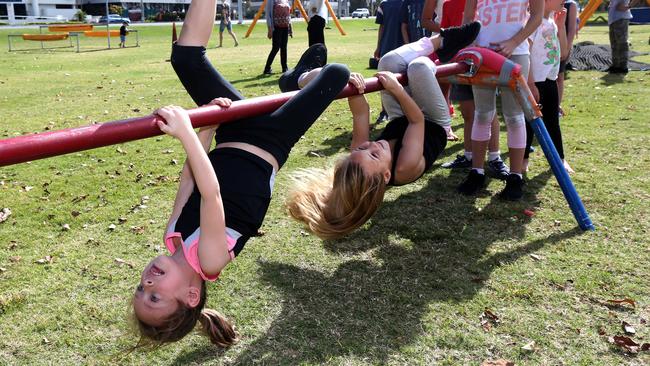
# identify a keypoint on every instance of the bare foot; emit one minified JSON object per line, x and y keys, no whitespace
{"x":567,"y":167}
{"x":451,"y":136}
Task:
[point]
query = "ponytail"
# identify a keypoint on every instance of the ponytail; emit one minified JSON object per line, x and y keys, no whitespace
{"x":219,"y":329}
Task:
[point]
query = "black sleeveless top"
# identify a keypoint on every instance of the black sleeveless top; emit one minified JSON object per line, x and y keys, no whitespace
{"x":435,"y":140}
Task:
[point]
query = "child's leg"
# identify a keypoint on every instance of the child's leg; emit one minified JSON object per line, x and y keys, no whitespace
{"x":484,"y":113}
{"x":220,"y":38}
{"x":284,"y":40}
{"x":426,"y":91}
{"x":193,"y":68}
{"x":293,"y":119}
{"x":275,"y":47}
{"x":514,"y":118}
{"x":198,"y":23}
{"x":549,"y":99}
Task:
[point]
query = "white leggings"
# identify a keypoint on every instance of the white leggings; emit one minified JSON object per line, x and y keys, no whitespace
{"x":485,"y":109}
{"x":423,"y":86}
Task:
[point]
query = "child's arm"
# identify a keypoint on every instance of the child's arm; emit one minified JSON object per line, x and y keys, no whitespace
{"x":506,"y":47}
{"x":360,"y":112}
{"x":470,"y":11}
{"x":531,"y":79}
{"x":410,"y":163}
{"x":427,"y":16}
{"x":380,"y":33}
{"x":213,"y":248}
{"x":572,"y":29}
{"x":560,"y":18}
{"x":405,"y":33}
{"x":268,"y":14}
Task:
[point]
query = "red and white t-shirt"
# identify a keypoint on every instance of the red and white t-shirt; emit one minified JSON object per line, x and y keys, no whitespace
{"x":500,"y":21}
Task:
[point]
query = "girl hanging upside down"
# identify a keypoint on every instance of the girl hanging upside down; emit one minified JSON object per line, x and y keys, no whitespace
{"x":224,"y":193}
{"x":333,"y":203}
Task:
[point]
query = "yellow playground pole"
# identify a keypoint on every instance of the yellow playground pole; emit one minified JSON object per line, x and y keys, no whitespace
{"x":588,"y":11}
{"x":257,"y":16}
{"x":302,"y":10}
{"x":336,"y":20}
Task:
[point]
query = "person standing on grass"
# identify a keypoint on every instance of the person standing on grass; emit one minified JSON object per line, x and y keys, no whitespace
{"x":278,"y":21}
{"x":619,"y":16}
{"x":123,"y":32}
{"x":226,"y":23}
{"x":223,"y":194}
{"x":452,"y":15}
{"x":411,"y":14}
{"x":548,"y":45}
{"x":389,"y":35}
{"x":333,"y":203}
{"x":571,"y":30}
{"x":317,"y":22}
{"x":506,"y":27}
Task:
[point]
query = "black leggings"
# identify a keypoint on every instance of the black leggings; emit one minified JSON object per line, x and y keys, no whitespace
{"x":316,"y":30}
{"x":276,"y":132}
{"x":550,"y":101}
{"x":280,"y":40}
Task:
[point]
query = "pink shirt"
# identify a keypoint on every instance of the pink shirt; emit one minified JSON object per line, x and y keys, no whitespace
{"x":191,"y":251}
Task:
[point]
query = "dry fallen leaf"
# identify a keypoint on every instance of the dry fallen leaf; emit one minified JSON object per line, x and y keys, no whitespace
{"x":4,"y":214}
{"x":15,"y":259}
{"x":45,"y":260}
{"x":625,"y":343}
{"x":536,"y":257}
{"x":488,"y":318}
{"x":624,"y":301}
{"x":111,"y":227}
{"x":500,"y":362}
{"x":529,"y":346}
{"x":121,"y":261}
{"x":628,"y":328}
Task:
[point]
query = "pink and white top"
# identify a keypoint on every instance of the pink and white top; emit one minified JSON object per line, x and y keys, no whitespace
{"x":500,"y":21}
{"x":191,"y":248}
{"x":545,"y":51}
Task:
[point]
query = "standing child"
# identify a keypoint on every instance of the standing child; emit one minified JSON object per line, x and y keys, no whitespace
{"x":548,"y":44}
{"x":317,"y":22}
{"x":389,"y":35}
{"x":412,"y":27}
{"x":571,"y":30}
{"x":506,"y":28}
{"x":278,"y":21}
{"x":226,"y":23}
{"x":619,"y":16}
{"x":452,"y":15}
{"x":123,"y":32}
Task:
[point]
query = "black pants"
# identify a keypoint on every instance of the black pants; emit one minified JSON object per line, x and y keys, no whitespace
{"x":316,"y":30}
{"x":276,"y":132}
{"x":280,"y":39}
{"x":550,"y":101}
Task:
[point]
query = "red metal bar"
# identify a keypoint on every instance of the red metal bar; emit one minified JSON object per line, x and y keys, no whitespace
{"x":42,"y":145}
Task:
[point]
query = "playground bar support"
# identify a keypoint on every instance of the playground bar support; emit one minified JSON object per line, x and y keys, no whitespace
{"x":42,"y":145}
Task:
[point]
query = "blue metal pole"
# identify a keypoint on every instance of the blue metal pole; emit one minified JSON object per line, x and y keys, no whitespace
{"x":569,"y":190}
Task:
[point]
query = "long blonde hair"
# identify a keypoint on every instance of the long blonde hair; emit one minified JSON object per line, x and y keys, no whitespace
{"x":333,"y":203}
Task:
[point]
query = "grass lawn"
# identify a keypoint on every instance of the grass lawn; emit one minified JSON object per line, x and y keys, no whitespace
{"x":408,"y":288}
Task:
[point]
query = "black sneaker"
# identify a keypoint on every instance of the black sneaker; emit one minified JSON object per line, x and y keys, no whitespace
{"x":456,"y":38}
{"x":472,"y":184}
{"x":617,"y":70}
{"x":313,"y":58}
{"x":498,"y":169}
{"x":460,"y":162}
{"x":383,"y":117}
{"x":514,"y":188}
{"x":267,"y":71}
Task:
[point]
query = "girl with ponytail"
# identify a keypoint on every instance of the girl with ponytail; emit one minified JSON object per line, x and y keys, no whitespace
{"x":223,"y":194}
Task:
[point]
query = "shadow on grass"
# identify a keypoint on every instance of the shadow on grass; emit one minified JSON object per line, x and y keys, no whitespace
{"x":429,"y":247}
{"x":262,"y":80}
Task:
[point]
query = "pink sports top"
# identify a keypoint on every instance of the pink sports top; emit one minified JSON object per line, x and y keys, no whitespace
{"x":191,"y":248}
